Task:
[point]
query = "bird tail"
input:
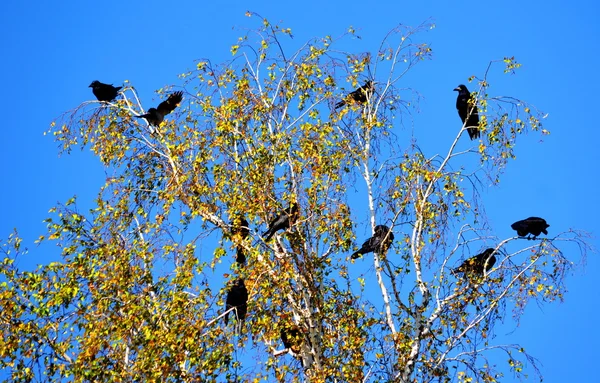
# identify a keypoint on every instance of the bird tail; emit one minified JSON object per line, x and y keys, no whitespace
{"x":356,"y":254}
{"x":241,"y":256}
{"x":269,"y":234}
{"x":545,"y":231}
{"x":340,"y":104}
{"x":473,"y":133}
{"x":141,"y":116}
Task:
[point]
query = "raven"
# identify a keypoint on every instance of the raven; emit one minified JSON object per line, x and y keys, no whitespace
{"x":156,"y":115}
{"x":531,"y":225}
{"x":104,"y":92}
{"x":292,"y":337}
{"x":360,"y":95}
{"x":379,"y":242}
{"x":477,"y":263}
{"x":282,"y":221}
{"x":237,"y":298}
{"x":467,"y":111}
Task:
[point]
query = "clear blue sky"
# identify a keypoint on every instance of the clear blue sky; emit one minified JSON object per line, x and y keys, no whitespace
{"x":53,"y":50}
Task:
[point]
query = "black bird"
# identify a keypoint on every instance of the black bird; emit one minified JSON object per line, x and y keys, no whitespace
{"x":376,"y":242}
{"x":292,"y":337}
{"x":237,"y":297}
{"x":239,"y":226}
{"x":240,"y":257}
{"x":156,"y":115}
{"x":282,"y":221}
{"x":478,"y":263}
{"x":104,"y":92}
{"x":360,"y":95}
{"x":467,"y":111}
{"x":531,"y":225}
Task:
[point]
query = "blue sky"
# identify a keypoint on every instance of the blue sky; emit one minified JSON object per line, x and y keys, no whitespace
{"x":53,"y":50}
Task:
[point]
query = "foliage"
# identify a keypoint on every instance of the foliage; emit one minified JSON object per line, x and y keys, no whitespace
{"x":139,"y":292}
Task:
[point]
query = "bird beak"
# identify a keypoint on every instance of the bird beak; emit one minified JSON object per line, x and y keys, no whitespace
{"x":457,"y":89}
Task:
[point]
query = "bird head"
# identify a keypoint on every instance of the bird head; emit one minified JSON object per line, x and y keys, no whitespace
{"x":461,"y":88}
{"x":94,"y":84}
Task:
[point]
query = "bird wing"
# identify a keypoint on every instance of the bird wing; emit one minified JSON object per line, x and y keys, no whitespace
{"x":170,"y":103}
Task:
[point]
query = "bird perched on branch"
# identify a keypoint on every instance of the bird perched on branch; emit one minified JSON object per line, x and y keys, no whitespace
{"x":241,"y":230}
{"x":360,"y":95}
{"x":292,"y":337}
{"x":282,"y":221}
{"x":239,"y":226}
{"x":237,"y":297}
{"x":155,"y":116}
{"x":379,"y":242}
{"x":532,"y":225}
{"x":479,"y":263}
{"x":467,"y":111}
{"x":104,"y":92}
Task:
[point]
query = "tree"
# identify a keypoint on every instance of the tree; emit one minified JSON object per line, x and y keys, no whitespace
{"x":139,"y":293}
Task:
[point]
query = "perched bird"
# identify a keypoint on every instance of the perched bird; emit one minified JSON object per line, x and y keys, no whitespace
{"x":467,"y":111}
{"x":292,"y":337}
{"x":240,"y":256}
{"x":360,"y":95}
{"x":237,"y":297}
{"x":239,"y":226}
{"x":379,"y":242}
{"x":104,"y":92}
{"x":282,"y":221}
{"x":155,"y":116}
{"x":478,"y":263}
{"x":531,"y":225}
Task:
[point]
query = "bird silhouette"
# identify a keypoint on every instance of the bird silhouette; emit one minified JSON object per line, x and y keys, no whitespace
{"x":379,"y":242}
{"x":532,"y":225}
{"x":237,"y":297}
{"x":282,"y":221}
{"x":360,"y":95}
{"x":155,"y":116}
{"x":104,"y":92}
{"x":467,"y":111}
{"x":479,"y":263}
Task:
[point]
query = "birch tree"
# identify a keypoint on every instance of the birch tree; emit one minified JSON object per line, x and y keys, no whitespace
{"x":139,"y":291}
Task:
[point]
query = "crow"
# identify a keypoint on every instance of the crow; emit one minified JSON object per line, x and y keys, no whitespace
{"x":239,"y":226}
{"x":104,"y":92}
{"x":379,"y":242}
{"x":478,"y":263}
{"x":292,"y":337}
{"x":360,"y":95}
{"x":282,"y":221}
{"x":237,"y":298}
{"x":467,"y":111}
{"x":240,"y":257}
{"x":531,"y":225}
{"x":156,"y":115}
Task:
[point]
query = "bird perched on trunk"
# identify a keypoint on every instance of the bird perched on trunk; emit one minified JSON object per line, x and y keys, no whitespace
{"x":467,"y":111}
{"x":104,"y":92}
{"x":240,"y":227}
{"x":360,"y":95}
{"x":379,"y":242}
{"x":292,"y":337}
{"x":155,"y":116}
{"x":479,"y":263}
{"x":531,"y":225}
{"x":282,"y":221}
{"x":240,"y":231}
{"x":237,"y":298}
